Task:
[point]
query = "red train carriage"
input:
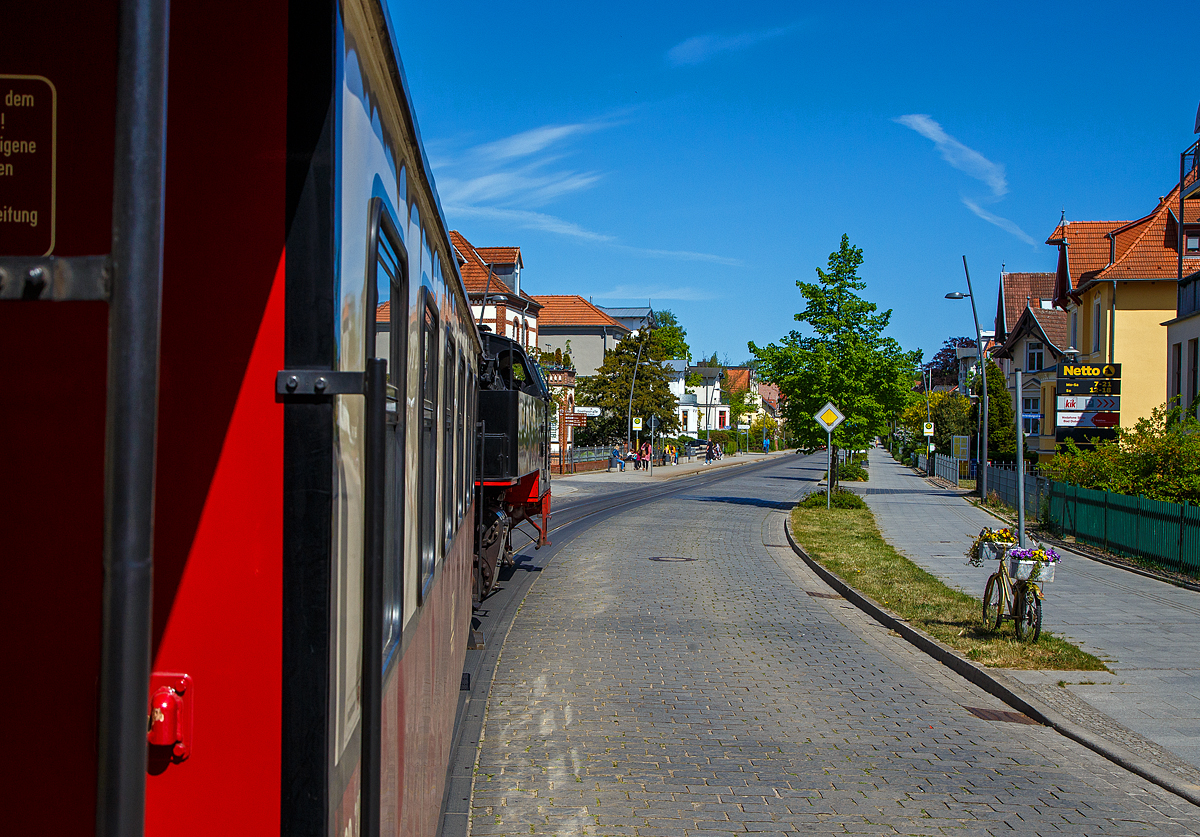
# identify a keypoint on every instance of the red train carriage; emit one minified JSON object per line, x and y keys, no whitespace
{"x":513,"y":470}
{"x":289,"y":660}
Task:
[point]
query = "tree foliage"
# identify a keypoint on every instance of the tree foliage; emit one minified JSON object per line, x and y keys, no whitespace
{"x":845,"y":360}
{"x":1158,"y":457}
{"x":609,"y":388}
{"x":1002,"y":428}
{"x":950,"y":414}
{"x":944,"y":364}
{"x":671,"y":337}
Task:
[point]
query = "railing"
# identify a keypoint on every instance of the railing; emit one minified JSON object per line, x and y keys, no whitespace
{"x":947,"y":467}
{"x":1189,"y":169}
{"x":1002,"y":481}
{"x":1167,"y":534}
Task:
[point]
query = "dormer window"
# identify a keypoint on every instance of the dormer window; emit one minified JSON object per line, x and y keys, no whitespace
{"x":1191,"y":243}
{"x":1033,"y":356}
{"x":1047,"y":304}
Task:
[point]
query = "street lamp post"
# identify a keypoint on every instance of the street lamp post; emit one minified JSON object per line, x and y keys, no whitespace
{"x":979,"y":353}
{"x":629,"y":437}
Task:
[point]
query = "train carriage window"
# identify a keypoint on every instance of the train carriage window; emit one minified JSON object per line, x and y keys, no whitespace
{"x":430,"y":356}
{"x":461,"y":471}
{"x":387,"y":270}
{"x":450,"y":395}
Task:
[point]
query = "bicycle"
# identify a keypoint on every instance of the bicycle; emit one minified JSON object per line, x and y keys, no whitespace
{"x":1019,"y":599}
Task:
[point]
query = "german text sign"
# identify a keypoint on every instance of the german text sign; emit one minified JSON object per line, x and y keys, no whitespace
{"x":28,"y":110}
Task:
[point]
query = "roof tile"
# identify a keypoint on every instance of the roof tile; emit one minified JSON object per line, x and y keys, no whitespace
{"x":572,"y":310}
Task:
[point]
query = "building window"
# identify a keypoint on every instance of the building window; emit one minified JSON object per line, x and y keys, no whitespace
{"x":1191,"y":243}
{"x":1096,"y":324}
{"x":1031,"y":416}
{"x":1033,"y":356}
{"x":1192,"y":376}
{"x":1177,"y":372}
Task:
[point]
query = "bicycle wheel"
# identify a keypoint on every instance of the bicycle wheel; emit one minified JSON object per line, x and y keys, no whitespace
{"x":1029,"y":614}
{"x":993,"y":603}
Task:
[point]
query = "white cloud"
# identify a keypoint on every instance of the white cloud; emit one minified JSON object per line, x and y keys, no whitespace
{"x":626,"y":292}
{"x":1002,"y":223}
{"x":525,"y":219}
{"x":701,"y":48}
{"x":503,"y":180}
{"x":961,"y":157}
{"x":532,"y":141}
{"x":678,"y":255}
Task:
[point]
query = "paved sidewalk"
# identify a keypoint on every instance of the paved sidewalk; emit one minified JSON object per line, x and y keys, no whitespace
{"x":1146,"y":631}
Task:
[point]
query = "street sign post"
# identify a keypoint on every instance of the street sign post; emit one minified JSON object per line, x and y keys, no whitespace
{"x":591,"y":412}
{"x":929,"y":428}
{"x":829,"y":417}
{"x":637,"y":423}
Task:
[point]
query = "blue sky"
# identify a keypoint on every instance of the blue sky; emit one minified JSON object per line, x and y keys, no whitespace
{"x":706,"y":156}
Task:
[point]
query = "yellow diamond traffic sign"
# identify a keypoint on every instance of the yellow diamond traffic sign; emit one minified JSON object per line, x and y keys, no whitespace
{"x":829,"y":417}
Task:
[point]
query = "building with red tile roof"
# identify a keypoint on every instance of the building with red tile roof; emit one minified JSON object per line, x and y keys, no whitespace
{"x":1018,"y":290}
{"x":1117,"y":281}
{"x":492,"y":276}
{"x":576,"y":326}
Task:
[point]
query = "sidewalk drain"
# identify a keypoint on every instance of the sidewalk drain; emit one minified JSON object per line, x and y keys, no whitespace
{"x":817,"y":595}
{"x":1000,"y":715}
{"x":670,"y":559}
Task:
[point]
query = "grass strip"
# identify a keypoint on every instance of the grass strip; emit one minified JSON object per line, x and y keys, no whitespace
{"x":848,"y":543}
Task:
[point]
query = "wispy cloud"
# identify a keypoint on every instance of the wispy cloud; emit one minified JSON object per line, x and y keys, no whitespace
{"x":678,"y":255}
{"x":528,"y":220}
{"x":963,"y":158}
{"x":1002,"y":223}
{"x":509,"y":179}
{"x":701,"y":48}
{"x":968,"y":160}
{"x":682,"y":294}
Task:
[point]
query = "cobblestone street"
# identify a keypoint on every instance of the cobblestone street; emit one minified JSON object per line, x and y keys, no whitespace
{"x":677,"y":670}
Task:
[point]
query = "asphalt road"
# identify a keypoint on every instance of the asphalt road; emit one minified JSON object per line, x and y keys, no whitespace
{"x":677,"y":670}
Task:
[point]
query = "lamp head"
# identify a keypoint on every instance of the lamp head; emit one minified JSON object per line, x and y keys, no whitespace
{"x":956,"y":295}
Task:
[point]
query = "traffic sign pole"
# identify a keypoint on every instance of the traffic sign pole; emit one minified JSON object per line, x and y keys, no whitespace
{"x":829,"y":417}
{"x":828,"y":469}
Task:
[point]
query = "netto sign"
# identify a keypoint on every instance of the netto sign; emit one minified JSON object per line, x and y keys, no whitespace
{"x":1105,"y":370}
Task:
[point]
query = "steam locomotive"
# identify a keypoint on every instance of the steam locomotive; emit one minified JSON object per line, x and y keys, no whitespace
{"x":260,"y":459}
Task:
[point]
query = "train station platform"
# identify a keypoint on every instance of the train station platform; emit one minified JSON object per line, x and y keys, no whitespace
{"x":1145,"y":630}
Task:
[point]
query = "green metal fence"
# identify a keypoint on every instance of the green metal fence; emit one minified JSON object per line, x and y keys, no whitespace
{"x":1166,"y":533}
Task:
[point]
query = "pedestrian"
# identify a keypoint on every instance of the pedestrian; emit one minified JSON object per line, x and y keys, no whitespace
{"x":708,"y":452}
{"x":675,"y":454}
{"x":766,"y":445}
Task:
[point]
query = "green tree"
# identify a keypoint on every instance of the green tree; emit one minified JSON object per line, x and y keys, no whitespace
{"x":845,"y":360}
{"x":1002,"y":429}
{"x":762,"y":424}
{"x":1158,"y":457}
{"x":608,"y":389}
{"x":671,"y":337}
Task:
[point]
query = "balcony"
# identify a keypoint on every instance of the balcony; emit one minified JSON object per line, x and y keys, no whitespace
{"x":1189,"y":172}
